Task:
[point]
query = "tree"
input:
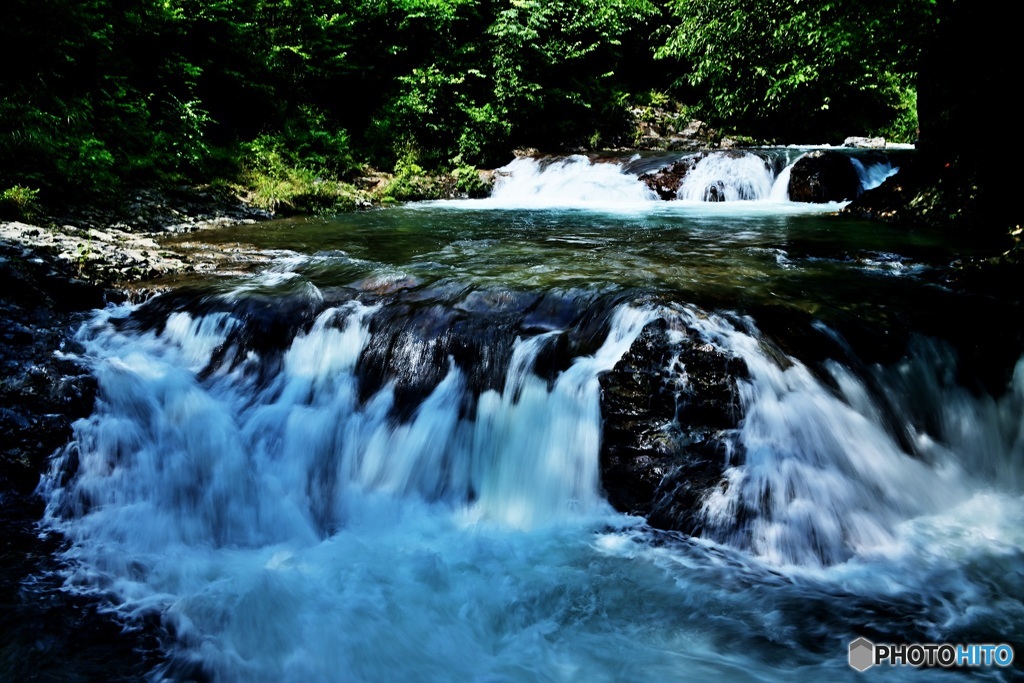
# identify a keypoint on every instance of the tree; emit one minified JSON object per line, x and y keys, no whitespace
{"x":959,"y":179}
{"x":555,"y":66}
{"x":822,"y":69}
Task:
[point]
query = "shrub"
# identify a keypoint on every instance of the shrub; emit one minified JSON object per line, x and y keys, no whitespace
{"x":18,"y":203}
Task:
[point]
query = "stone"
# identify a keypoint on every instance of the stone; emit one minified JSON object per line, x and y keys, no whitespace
{"x":864,"y":143}
{"x":666,"y":181}
{"x":823,"y":176}
{"x":669,"y":409}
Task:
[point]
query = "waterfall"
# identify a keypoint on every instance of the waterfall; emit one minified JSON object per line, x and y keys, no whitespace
{"x":196,"y":439}
{"x":722,"y":177}
{"x":713,"y":177}
{"x":199,"y":440}
{"x":780,"y":187}
{"x":228,"y":484}
{"x":569,"y":182}
{"x":874,"y":173}
{"x":290,"y":520}
{"x":823,"y":477}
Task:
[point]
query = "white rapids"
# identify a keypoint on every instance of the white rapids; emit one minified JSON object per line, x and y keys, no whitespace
{"x":285,"y":530}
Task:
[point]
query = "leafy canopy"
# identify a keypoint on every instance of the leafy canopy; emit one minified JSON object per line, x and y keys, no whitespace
{"x":784,"y":69}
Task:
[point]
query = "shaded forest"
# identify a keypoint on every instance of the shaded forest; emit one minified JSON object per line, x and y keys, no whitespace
{"x":98,"y":95}
{"x":101,"y":92}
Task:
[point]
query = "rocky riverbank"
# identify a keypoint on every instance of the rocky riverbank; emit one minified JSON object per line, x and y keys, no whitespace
{"x":46,"y":632}
{"x":52,"y":275}
{"x":114,"y":245}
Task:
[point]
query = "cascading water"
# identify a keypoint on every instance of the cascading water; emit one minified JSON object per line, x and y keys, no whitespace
{"x":528,"y":458}
{"x":823,"y":478}
{"x":384,"y":461}
{"x":573,"y":181}
{"x":204,"y":488}
{"x":728,"y":178}
{"x":872,"y":174}
{"x":579,"y":182}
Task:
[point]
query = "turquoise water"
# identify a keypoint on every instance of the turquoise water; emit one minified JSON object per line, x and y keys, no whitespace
{"x":253,"y":479}
{"x":707,"y":250}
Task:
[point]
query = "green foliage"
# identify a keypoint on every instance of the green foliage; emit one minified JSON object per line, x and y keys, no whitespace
{"x":276,"y":181}
{"x":269,"y":171}
{"x":292,"y":96}
{"x":427,"y":111}
{"x":823,"y":68}
{"x":183,"y":140}
{"x":84,"y":253}
{"x":18,"y":203}
{"x":411,"y":182}
{"x":490,"y":77}
{"x":438,"y":100}
{"x":95,"y":161}
{"x":89,"y":95}
{"x":554,"y":64}
{"x":654,"y":99}
{"x":468,"y":182}
{"x":316,"y":142}
{"x":484,"y":136}
{"x":904,"y":126}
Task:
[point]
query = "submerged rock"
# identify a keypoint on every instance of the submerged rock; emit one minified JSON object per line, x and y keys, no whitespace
{"x":415,"y":340}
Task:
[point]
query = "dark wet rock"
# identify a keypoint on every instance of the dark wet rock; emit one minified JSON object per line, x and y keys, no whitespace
{"x":669,"y":408}
{"x":47,"y":631}
{"x":891,"y":201}
{"x":41,"y":392}
{"x":819,"y":177}
{"x":409,"y":349}
{"x":946,"y":194}
{"x":416,"y":339}
{"x":414,"y":343}
{"x":51,"y":277}
{"x":666,"y":181}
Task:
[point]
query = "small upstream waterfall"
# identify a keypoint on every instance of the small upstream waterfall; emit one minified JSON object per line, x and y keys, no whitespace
{"x":579,"y":182}
{"x":872,"y":174}
{"x":572,"y":181}
{"x":728,"y":178}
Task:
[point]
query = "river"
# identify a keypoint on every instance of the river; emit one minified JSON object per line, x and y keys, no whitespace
{"x":380,"y":454}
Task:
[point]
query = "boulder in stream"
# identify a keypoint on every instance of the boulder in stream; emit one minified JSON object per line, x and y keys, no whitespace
{"x":669,"y":407}
{"x":819,"y":177}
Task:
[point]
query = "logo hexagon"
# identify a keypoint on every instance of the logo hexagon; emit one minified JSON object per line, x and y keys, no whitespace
{"x":862,"y":654}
